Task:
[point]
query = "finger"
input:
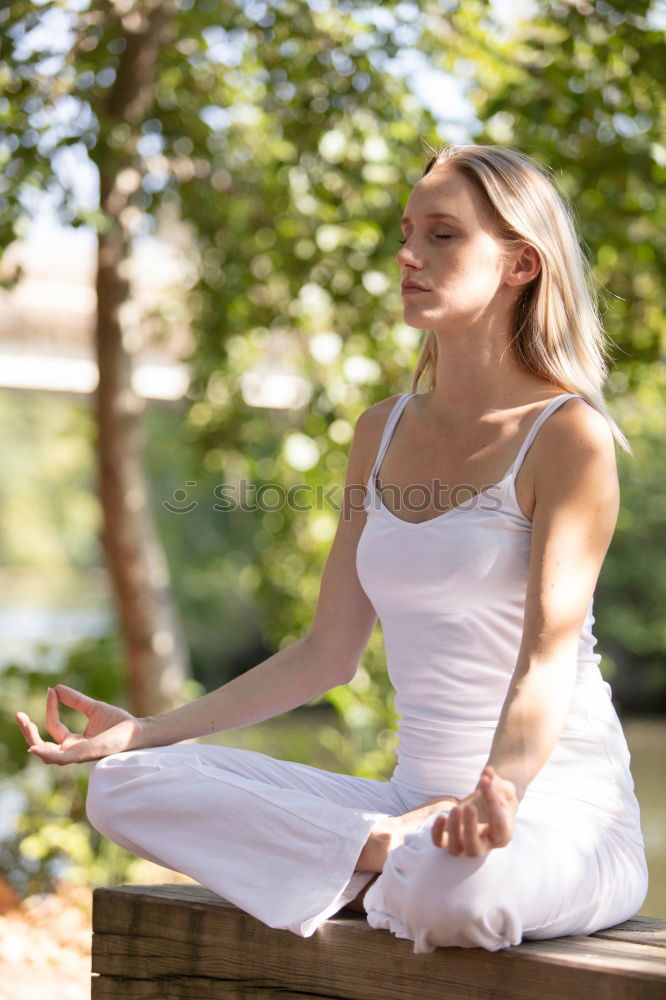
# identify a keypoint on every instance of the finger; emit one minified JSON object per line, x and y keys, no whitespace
{"x":54,"y":727}
{"x":29,"y":729}
{"x":22,"y":720}
{"x":498,"y":831}
{"x":488,"y":789}
{"x":470,"y":832}
{"x":75,"y":699}
{"x":438,"y":832}
{"x":454,"y":830}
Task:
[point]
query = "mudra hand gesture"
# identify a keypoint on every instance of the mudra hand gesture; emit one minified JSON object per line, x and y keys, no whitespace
{"x":481,"y":821}
{"x":109,"y":729}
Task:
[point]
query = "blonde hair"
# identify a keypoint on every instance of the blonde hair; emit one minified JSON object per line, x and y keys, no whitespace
{"x":557,"y":332}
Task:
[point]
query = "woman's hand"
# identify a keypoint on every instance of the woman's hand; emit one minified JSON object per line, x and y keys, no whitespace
{"x":109,"y":729}
{"x":481,"y":821}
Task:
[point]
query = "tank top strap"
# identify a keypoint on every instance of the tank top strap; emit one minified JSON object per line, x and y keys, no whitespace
{"x":389,"y":427}
{"x":532,"y":433}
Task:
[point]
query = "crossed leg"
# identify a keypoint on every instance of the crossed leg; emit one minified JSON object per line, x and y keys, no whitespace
{"x":283,"y":842}
{"x":278,"y":839}
{"x":563,"y":872}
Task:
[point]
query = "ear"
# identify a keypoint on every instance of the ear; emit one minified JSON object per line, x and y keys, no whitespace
{"x":525,"y":268}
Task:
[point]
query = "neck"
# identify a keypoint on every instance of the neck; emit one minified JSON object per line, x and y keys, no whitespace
{"x":472,"y":382}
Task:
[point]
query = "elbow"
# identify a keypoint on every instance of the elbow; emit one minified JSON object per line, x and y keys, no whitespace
{"x":330,"y":660}
{"x":349,"y":673}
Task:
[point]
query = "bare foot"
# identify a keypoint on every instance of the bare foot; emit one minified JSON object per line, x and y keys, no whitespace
{"x":390,"y":833}
{"x":482,"y":821}
{"x":357,"y":902}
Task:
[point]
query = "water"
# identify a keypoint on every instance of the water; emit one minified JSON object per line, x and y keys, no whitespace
{"x":22,"y":628}
{"x":646,"y":739}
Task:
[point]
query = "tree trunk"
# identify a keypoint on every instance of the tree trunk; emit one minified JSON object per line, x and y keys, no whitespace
{"x":157,"y":660}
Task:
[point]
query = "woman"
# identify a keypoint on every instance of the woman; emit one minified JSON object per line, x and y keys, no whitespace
{"x":511,"y":812}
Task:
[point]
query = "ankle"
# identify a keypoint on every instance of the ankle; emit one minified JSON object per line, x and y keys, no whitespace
{"x":375,"y":851}
{"x":357,"y":902}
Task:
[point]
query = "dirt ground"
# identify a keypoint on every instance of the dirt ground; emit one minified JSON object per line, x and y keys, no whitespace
{"x":45,"y":944}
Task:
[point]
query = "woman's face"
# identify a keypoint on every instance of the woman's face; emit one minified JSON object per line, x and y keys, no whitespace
{"x":456,"y":257}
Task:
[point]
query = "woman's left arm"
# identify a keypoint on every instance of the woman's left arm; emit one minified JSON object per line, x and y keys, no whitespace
{"x":577,"y":499}
{"x":576,"y":508}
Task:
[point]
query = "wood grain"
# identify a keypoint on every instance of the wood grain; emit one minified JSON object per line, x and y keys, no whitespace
{"x":185,"y":941}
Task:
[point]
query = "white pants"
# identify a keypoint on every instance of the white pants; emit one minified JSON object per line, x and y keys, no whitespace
{"x":281,"y":840}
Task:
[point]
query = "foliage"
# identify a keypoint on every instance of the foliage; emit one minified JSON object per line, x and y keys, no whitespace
{"x":588,"y":98}
{"x":48,"y":512}
{"x":290,"y":184}
{"x":51,"y":829}
{"x":586,"y":95}
{"x":632,"y":586}
{"x":279,"y":152}
{"x":52,"y":833}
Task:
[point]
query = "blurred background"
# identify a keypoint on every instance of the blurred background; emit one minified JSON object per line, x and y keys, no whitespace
{"x":199,"y":207}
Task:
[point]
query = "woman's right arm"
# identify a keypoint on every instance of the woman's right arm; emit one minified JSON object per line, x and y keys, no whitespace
{"x":326,"y":656}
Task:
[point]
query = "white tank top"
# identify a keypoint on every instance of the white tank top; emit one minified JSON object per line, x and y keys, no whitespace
{"x":450,"y":595}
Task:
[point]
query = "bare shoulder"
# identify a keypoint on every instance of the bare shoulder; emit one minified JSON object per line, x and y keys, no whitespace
{"x":378,"y":412}
{"x":575,"y":514}
{"x":579,"y":426}
{"x":369,"y":428}
{"x":575,"y":454}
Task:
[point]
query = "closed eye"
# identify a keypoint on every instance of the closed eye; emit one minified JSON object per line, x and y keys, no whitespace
{"x":437,"y":237}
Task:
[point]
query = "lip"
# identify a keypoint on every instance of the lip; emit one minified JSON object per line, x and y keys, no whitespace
{"x":409,"y":287}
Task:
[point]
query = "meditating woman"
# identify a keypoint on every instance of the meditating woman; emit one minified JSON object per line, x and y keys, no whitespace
{"x":476,"y":518}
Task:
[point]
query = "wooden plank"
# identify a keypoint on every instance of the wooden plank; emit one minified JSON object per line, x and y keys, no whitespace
{"x":171,"y":953}
{"x":151,"y":934}
{"x":644,"y":961}
{"x":389,"y":973}
{"x":111,"y":916}
{"x":121,"y":988}
{"x":640,"y":930}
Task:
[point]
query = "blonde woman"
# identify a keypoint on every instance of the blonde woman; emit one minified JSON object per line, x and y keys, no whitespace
{"x":488,"y":504}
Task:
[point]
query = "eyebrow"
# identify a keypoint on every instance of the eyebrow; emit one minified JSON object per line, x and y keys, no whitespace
{"x":433,"y":215}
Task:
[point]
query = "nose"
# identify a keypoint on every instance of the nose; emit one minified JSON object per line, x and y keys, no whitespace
{"x":406,"y":257}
